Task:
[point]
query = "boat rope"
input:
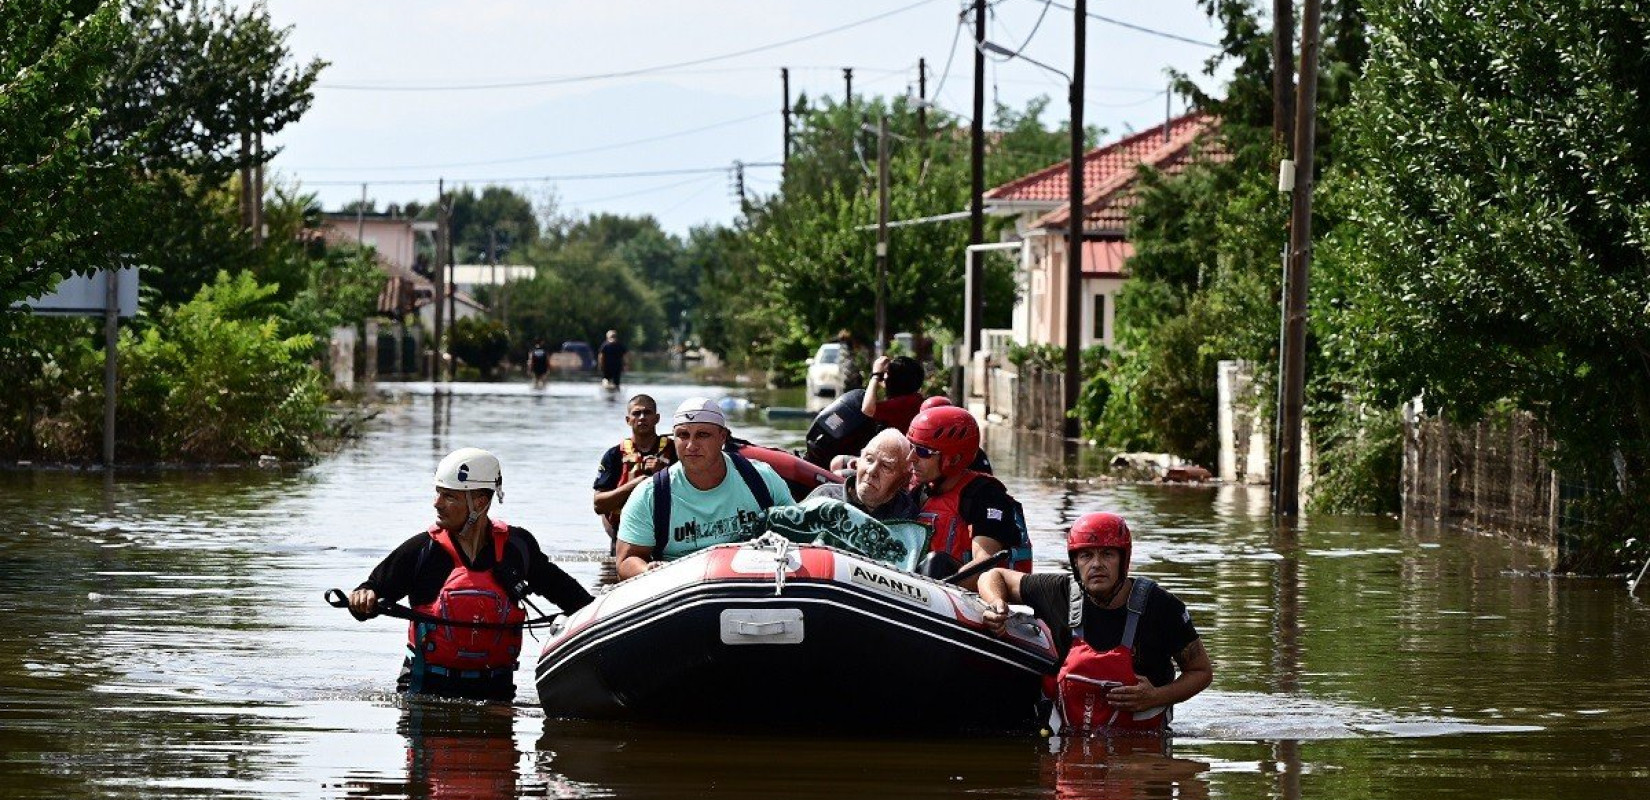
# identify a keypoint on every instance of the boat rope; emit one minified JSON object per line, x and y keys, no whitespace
{"x":337,"y":599}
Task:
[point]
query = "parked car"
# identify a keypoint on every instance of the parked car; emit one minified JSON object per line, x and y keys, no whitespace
{"x":587,"y":357}
{"x":825,"y":371}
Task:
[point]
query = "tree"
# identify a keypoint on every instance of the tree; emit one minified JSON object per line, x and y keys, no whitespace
{"x":60,"y":187}
{"x":1500,"y":185}
{"x":498,"y":221}
{"x":809,"y":251}
{"x":129,"y":118}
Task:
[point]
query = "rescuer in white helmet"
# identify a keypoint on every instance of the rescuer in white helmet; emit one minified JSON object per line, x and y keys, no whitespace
{"x":466,"y":567}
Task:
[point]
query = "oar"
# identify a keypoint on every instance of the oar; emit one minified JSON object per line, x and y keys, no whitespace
{"x":969,"y":572}
{"x":337,"y":599}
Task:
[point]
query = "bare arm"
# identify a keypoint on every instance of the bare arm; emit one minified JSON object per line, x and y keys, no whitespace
{"x":612,"y":500}
{"x":630,"y":560}
{"x":997,"y":588}
{"x":1196,"y":673}
{"x":874,"y":386}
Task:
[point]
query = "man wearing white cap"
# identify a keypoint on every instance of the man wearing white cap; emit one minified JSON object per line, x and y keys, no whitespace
{"x":708,"y":497}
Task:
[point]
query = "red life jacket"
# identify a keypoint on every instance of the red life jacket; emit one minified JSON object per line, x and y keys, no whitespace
{"x":630,"y":460}
{"x":952,"y":534}
{"x":472,"y":596}
{"x":1079,"y":690}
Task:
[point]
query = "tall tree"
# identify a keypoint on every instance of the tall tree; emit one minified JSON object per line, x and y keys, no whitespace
{"x":1500,"y":185}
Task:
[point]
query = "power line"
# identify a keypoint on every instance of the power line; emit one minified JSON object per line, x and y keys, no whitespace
{"x":554,"y":81}
{"x":1141,"y":28}
{"x":548,"y":178}
{"x":518,"y":159}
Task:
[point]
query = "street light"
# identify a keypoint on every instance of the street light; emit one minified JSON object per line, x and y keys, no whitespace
{"x":997,"y":49}
{"x":1074,"y":233}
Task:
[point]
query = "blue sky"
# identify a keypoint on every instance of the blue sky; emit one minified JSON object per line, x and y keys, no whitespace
{"x":406,"y":99}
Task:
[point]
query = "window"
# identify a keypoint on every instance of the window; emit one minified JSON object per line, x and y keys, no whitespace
{"x":1099,"y":327}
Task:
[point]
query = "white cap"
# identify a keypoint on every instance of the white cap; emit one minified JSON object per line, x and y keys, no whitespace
{"x":699,"y":409}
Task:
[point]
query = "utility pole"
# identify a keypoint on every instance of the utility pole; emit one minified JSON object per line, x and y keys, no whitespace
{"x":361,"y":220}
{"x":492,"y":261}
{"x":246,"y":180}
{"x":1287,"y":500}
{"x":1168,"y":111}
{"x":785,"y":82}
{"x":976,"y":207}
{"x":922,"y":99}
{"x":848,"y":92}
{"x":452,"y":296}
{"x":1283,"y":66}
{"x":258,"y":189}
{"x":882,"y":235}
{"x":1074,"y":235}
{"x":440,"y":274}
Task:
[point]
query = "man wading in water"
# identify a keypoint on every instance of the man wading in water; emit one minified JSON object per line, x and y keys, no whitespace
{"x":468,"y":567}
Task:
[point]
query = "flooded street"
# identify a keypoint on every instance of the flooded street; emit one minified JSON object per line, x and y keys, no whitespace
{"x":162,"y":634}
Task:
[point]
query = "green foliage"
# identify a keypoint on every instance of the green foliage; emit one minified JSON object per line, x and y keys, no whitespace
{"x":582,"y":291}
{"x":1500,"y":187}
{"x":126,"y":118}
{"x":1360,"y":456}
{"x":480,"y":343}
{"x":806,"y":266}
{"x":498,"y":220}
{"x":215,"y":380}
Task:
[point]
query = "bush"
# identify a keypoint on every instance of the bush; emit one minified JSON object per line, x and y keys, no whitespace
{"x":480,"y":343}
{"x":208,"y":384}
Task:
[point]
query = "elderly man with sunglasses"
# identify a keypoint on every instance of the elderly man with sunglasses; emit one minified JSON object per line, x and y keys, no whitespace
{"x":625,"y":465}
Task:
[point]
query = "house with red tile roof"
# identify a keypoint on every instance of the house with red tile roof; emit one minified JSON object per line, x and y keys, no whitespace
{"x":1040,"y":201}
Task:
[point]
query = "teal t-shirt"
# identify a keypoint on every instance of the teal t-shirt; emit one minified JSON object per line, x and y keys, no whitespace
{"x":699,"y":519}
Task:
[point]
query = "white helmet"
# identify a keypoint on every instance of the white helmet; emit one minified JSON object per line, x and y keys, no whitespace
{"x":470,"y":468}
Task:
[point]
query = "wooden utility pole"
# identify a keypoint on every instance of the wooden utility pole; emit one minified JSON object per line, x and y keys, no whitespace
{"x":1074,"y":234}
{"x":439,"y":273}
{"x":452,"y":294}
{"x":848,"y":87}
{"x":976,"y":191}
{"x":111,"y":346}
{"x":1283,"y":67}
{"x":1286,"y":501}
{"x":246,"y":180}
{"x":922,"y":99}
{"x":361,"y":220}
{"x":258,"y":189}
{"x":882,"y":234}
{"x":785,"y":110}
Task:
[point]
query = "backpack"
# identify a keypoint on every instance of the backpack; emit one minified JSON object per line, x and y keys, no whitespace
{"x":661,"y":498}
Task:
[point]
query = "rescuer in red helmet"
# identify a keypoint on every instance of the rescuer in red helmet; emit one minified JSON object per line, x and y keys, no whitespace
{"x":1123,"y":638}
{"x":972,"y":513}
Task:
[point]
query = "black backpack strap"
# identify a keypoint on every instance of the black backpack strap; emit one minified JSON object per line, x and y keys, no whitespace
{"x":753,"y":481}
{"x":1137,"y":607}
{"x":661,"y":512}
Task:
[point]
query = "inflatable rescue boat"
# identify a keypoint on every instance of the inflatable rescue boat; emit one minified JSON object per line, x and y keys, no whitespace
{"x":772,"y":633}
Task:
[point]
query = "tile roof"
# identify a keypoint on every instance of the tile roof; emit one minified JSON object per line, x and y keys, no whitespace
{"x":1107,"y":171}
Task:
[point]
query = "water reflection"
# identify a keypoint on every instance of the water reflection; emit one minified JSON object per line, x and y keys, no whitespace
{"x":455,"y":751}
{"x":1122,"y":768}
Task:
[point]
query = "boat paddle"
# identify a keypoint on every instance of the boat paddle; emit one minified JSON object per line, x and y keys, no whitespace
{"x":968,"y":572}
{"x":337,"y":599}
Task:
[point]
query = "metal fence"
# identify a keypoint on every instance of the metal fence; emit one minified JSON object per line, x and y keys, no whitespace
{"x":1491,"y":476}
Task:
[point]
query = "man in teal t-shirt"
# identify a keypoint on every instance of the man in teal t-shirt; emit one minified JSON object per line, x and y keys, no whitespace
{"x":710,"y":500}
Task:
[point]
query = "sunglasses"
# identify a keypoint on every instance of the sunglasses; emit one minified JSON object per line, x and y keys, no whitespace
{"x":924,"y":452}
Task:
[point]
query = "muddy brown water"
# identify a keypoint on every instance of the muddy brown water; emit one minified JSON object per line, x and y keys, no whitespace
{"x":162,"y":635}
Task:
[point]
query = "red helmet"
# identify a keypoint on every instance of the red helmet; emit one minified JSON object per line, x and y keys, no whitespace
{"x":936,"y":401}
{"x":950,"y":430}
{"x":1100,"y":530}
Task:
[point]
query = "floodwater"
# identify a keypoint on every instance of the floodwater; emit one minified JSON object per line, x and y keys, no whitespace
{"x":162,"y":634}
